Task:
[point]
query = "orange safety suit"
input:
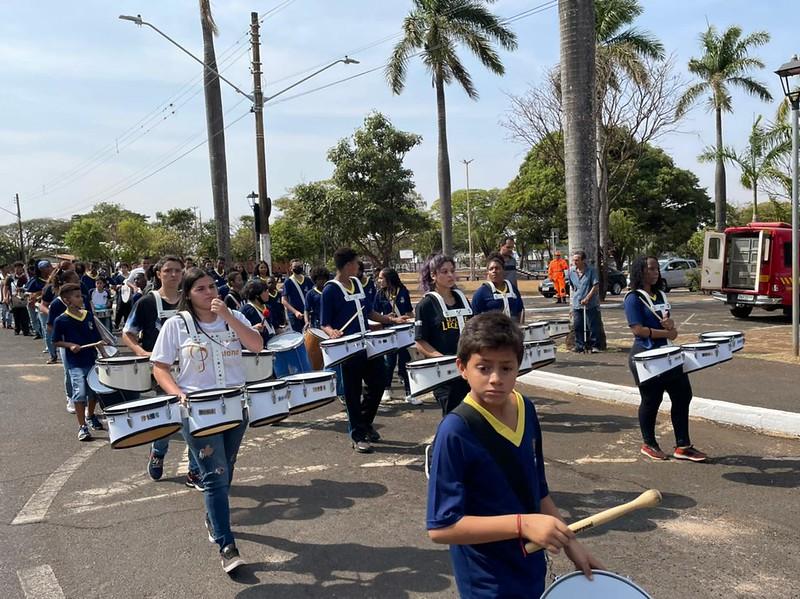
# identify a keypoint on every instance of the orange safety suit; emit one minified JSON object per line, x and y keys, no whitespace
{"x":555,"y":272}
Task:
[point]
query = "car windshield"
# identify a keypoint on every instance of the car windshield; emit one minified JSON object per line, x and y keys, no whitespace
{"x":662,"y":264}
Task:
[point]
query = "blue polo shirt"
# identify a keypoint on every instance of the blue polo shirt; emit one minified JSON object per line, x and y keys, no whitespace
{"x":483,"y":301}
{"x":370,"y":290}
{"x":293,"y":296}
{"x":466,"y":481}
{"x":80,"y":330}
{"x":336,"y":311}
{"x":385,"y":304}
{"x":637,"y":312}
{"x":314,"y":306}
{"x":277,"y":313}
{"x":582,"y":285}
{"x":35,"y":285}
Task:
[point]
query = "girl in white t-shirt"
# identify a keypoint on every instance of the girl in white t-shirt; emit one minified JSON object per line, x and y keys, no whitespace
{"x":216,"y":326}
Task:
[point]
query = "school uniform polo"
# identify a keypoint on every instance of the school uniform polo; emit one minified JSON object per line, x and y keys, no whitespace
{"x":432,"y":326}
{"x":35,"y":285}
{"x":636,"y":312}
{"x":277,"y":313}
{"x":465,"y":480}
{"x":336,"y":310}
{"x":314,"y":306}
{"x":77,"y":329}
{"x":295,"y":293}
{"x":484,"y":301}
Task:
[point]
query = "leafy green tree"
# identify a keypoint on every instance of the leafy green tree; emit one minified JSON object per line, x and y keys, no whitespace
{"x":433,"y":30}
{"x":624,"y":235}
{"x":207,"y":242}
{"x":134,"y":238}
{"x":488,"y":222}
{"x":726,"y":62}
{"x":39,"y":236}
{"x":87,"y":238}
{"x":179,"y":219}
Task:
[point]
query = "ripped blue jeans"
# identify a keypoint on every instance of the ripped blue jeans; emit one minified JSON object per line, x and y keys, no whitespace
{"x":216,"y":456}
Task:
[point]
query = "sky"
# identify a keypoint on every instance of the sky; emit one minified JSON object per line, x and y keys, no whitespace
{"x":93,"y":108}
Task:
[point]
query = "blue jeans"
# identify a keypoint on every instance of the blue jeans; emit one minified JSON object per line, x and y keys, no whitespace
{"x":399,"y":358}
{"x":5,"y":315}
{"x":36,"y":324}
{"x":48,"y":336}
{"x":67,"y":382}
{"x":216,"y":456}
{"x":81,"y":393}
{"x":160,"y":448}
{"x":593,"y":318}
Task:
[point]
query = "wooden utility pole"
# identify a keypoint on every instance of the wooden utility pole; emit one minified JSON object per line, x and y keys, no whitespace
{"x":19,"y":226}
{"x":264,"y":203}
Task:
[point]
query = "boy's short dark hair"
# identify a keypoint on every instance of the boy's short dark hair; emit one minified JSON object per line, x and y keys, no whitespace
{"x":319,"y":272}
{"x":232,"y":277}
{"x":490,"y":330}
{"x":343,"y":256}
{"x":68,"y":288}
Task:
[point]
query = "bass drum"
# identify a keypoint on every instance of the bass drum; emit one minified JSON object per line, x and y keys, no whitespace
{"x":605,"y":585}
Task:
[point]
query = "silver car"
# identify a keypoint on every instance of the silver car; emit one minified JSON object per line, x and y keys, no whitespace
{"x":674,"y":272}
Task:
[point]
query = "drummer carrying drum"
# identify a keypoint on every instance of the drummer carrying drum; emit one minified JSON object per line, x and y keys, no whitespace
{"x":647,"y":312}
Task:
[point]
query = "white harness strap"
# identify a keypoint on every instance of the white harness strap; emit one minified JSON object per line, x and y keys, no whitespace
{"x":354,"y":297}
{"x":459,"y":313}
{"x":499,"y":295}
{"x":661,"y":309}
{"x":217,"y":356}
{"x":266,"y":322}
{"x":160,"y":311}
{"x":238,"y":303}
{"x":299,"y":291}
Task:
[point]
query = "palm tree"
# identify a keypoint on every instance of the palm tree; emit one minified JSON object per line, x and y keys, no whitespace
{"x":577,"y":65}
{"x":216,"y":132}
{"x":758,"y":160}
{"x":435,"y":28}
{"x":725,"y":62}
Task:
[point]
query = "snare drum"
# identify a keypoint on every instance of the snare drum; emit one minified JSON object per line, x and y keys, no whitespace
{"x":380,"y":343}
{"x":336,"y":351}
{"x":404,"y":334}
{"x":557,"y":328}
{"x":310,"y":390}
{"x":290,"y":354}
{"x":697,"y":356}
{"x":257,"y":365}
{"x":736,"y":338}
{"x":214,"y":411}
{"x":312,"y":338}
{"x":604,"y":585}
{"x":107,"y":396}
{"x":536,"y":331}
{"x":143,"y":421}
{"x":103,"y":313}
{"x":267,"y":403}
{"x":128,"y":373}
{"x":656,"y":362}
{"x":537,"y":354}
{"x":426,"y":375}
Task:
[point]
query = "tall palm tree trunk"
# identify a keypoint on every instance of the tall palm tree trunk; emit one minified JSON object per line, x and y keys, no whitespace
{"x":443,"y":167}
{"x":720,"y":191}
{"x":577,"y":32}
{"x":216,"y":135}
{"x":602,"y":203}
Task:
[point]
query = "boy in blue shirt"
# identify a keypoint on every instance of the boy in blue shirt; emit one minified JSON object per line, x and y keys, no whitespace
{"x":472,"y":505}
{"x":74,"y":330}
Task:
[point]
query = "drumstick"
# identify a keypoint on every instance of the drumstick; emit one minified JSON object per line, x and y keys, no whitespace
{"x":649,"y":498}
{"x":95,"y":344}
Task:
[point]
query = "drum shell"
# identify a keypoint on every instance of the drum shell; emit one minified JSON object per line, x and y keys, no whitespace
{"x":313,"y":350}
{"x":537,"y":354}
{"x":651,"y":367}
{"x":736,"y":338}
{"x":535,"y":331}
{"x":404,"y":334}
{"x":258,"y":366}
{"x":132,"y":428}
{"x":310,"y":390}
{"x":267,"y":403}
{"x":336,"y":351}
{"x":106,"y":396}
{"x":128,"y":374}
{"x":557,"y":328}
{"x":209,"y":416}
{"x":380,"y":343}
{"x":426,"y":375}
{"x":698,"y":358}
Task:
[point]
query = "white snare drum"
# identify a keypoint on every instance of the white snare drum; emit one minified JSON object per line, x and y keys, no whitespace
{"x":143,"y":421}
{"x":103,"y":313}
{"x":537,"y":354}
{"x":285,"y":342}
{"x":697,"y":356}
{"x":535,"y":331}
{"x":605,"y":585}
{"x":655,"y":362}
{"x":426,"y":375}
{"x":319,"y":333}
{"x":214,"y":411}
{"x":380,"y":343}
{"x":736,"y":338}
{"x":128,"y":373}
{"x":336,"y":351}
{"x":404,"y":333}
{"x":107,"y":396}
{"x":267,"y":402}
{"x":309,"y":390}
{"x":557,"y":328}
{"x":257,"y":365}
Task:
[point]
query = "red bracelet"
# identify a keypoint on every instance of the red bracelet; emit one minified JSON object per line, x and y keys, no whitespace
{"x":519,"y":535}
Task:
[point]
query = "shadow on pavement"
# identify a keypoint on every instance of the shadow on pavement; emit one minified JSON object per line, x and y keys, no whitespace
{"x":768,"y":472}
{"x":345,"y":570}
{"x":298,"y":502}
{"x":585,"y":423}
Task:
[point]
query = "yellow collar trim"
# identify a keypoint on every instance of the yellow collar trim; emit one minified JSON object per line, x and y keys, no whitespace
{"x":513,"y":436}
{"x":79,"y":318}
{"x":299,"y":281}
{"x":317,"y":290}
{"x":274,"y":296}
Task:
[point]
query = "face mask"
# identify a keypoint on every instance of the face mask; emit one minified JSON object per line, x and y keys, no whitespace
{"x":298,"y":270}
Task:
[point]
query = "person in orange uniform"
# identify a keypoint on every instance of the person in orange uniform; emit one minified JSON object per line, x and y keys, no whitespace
{"x":555,"y":272}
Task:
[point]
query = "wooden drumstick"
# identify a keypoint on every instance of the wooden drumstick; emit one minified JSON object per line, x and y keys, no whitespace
{"x":649,"y":498}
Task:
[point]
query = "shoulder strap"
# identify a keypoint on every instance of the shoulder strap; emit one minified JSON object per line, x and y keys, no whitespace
{"x":500,"y":452}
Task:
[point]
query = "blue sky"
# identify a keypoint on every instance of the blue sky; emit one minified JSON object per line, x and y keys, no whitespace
{"x":79,"y":84}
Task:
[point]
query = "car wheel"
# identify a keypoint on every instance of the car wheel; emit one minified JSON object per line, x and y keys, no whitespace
{"x":616,"y":289}
{"x":741,"y":311}
{"x":548,"y":295}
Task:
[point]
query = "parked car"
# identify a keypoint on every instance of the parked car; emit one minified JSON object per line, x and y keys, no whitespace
{"x":617,"y":281}
{"x":675,"y":271}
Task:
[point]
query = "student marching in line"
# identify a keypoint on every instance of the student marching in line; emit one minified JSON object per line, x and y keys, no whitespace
{"x":319,"y":276}
{"x":234,"y":299}
{"x":293,"y":296}
{"x":393,"y":298}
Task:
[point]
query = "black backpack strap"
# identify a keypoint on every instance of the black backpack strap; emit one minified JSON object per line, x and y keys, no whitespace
{"x":500,"y":450}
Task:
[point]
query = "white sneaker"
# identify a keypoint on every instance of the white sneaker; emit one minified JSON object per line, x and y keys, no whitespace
{"x":70,"y":407}
{"x":414,"y":401}
{"x":387,"y":395}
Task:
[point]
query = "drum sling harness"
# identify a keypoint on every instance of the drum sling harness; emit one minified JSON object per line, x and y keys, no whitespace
{"x":218,"y":344}
{"x":265,"y":322}
{"x":503,"y":297}
{"x":356,"y":298}
{"x":162,"y":314}
{"x":458,"y":313}
{"x":299,"y":291}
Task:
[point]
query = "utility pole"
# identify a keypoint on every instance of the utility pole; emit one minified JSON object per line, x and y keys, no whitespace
{"x":264,"y":203}
{"x":19,"y":226}
{"x":469,"y":225}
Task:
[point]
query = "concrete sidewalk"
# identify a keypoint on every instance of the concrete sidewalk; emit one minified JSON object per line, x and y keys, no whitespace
{"x":760,"y":395}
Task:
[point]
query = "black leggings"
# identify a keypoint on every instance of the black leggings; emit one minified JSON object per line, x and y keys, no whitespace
{"x":22,"y":321}
{"x":361,"y":412}
{"x":676,"y":384}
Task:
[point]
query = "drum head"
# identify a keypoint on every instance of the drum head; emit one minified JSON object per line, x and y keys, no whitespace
{"x":213,"y":394}
{"x":138,"y":405}
{"x":119,"y":360}
{"x":319,"y":333}
{"x":342,"y":340}
{"x":379,"y":334}
{"x":402,"y":327}
{"x":605,"y":585}
{"x":309,"y":377}
{"x":658,"y":352}
{"x":431,"y":361}
{"x":268,"y":386}
{"x":703,"y":345}
{"x":285,"y":341}
{"x":125,"y":293}
{"x":95,"y":385}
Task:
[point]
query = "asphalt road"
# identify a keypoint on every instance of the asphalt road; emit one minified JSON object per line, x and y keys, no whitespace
{"x":313,"y":519}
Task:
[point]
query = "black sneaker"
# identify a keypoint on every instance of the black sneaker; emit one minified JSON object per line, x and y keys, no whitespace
{"x":194,"y":481}
{"x":373,"y":436}
{"x":95,"y":423}
{"x":155,"y":466}
{"x":230,"y":558}
{"x":362,"y":446}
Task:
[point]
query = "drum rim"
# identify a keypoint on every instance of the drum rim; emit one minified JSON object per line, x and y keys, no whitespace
{"x":401,"y":327}
{"x":431,"y":361}
{"x":692,"y":346}
{"x":704,"y":366}
{"x":342,"y":339}
{"x":116,"y":409}
{"x":198,"y":432}
{"x":605,"y":573}
{"x":537,"y":366}
{"x":311,"y":405}
{"x":537,"y":324}
{"x":272,"y":385}
{"x":557,"y":321}
{"x":380,"y":333}
{"x":225,"y":393}
{"x":116,"y":360}
{"x":539,"y":343}
{"x":265,"y":351}
{"x":317,"y":375}
{"x":115,"y":444}
{"x":723,"y":334}
{"x":267,"y":420}
{"x":674,"y":349}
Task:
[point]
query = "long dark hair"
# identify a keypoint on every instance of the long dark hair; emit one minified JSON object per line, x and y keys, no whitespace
{"x":253,"y":289}
{"x":431,"y":266}
{"x":392,"y":279}
{"x":638,"y":268}
{"x":190,"y":277}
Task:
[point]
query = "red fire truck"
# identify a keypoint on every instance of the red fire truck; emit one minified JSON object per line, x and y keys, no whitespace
{"x":750,"y":267}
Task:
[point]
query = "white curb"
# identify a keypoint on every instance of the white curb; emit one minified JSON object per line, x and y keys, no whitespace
{"x":763,"y":420}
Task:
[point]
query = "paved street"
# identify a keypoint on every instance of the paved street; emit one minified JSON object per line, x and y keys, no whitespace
{"x":316,"y":520}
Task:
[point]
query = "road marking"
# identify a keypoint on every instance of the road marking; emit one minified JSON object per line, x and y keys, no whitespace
{"x":598,"y":460}
{"x":685,"y":322}
{"x":40,"y":583}
{"x":36,"y":507}
{"x":395,"y":462}
{"x":91,"y":508}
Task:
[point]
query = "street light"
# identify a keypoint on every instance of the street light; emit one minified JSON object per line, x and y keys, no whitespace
{"x":469,"y":225}
{"x":251,"y":199}
{"x":790,"y":81}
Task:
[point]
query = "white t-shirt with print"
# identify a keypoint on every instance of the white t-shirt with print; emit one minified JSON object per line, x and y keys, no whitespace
{"x":196,"y":361}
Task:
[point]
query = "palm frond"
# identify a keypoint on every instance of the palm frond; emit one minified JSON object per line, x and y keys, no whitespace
{"x":690,"y":96}
{"x":752,"y":87}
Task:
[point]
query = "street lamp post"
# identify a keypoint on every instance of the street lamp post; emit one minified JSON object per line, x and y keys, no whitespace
{"x":469,"y":225}
{"x":251,"y":200}
{"x":790,"y":81}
